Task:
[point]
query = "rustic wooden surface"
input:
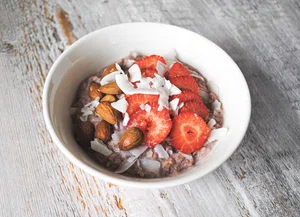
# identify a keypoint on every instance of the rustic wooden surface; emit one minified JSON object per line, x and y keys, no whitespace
{"x":262,"y":178}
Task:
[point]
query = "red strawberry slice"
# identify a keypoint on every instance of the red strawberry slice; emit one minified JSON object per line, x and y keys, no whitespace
{"x":134,"y":101}
{"x":197,"y":107}
{"x":178,"y":70}
{"x":186,"y":95}
{"x":189,"y":132}
{"x":185,"y":82}
{"x":155,"y":124}
{"x":148,"y":65}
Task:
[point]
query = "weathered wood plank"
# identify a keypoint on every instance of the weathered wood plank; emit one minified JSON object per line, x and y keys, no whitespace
{"x":262,"y":178}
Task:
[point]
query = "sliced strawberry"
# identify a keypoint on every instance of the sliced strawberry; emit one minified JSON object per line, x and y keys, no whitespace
{"x":197,"y":107}
{"x":155,"y":124}
{"x":189,"y":132}
{"x":185,"y":82}
{"x":134,"y":101}
{"x":186,"y":95}
{"x":178,"y":70}
{"x":148,"y":65}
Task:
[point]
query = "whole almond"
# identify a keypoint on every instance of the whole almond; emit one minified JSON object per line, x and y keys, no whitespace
{"x":110,"y":88}
{"x":107,"y":112}
{"x":84,"y":133}
{"x":111,"y":68}
{"x":108,"y":98}
{"x":103,"y":131}
{"x":94,"y":90}
{"x":132,"y":137}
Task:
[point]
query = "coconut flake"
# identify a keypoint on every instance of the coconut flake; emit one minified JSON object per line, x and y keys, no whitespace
{"x":147,"y":108}
{"x":161,"y":68}
{"x":145,"y":91}
{"x":126,"y":119}
{"x":142,"y":106}
{"x":135,"y":73}
{"x":126,"y":164}
{"x":98,"y":146}
{"x":163,"y":100}
{"x":129,"y":62}
{"x":159,"y":149}
{"x":138,"y":151}
{"x":181,"y":105}
{"x":187,"y":156}
{"x":149,"y":153}
{"x":124,"y":84}
{"x":174,"y":104}
{"x":89,"y":109}
{"x":150,"y":165}
{"x":116,"y":136}
{"x":120,"y":105}
{"x":160,"y":108}
{"x":109,"y":78}
{"x":174,"y":90}
{"x":217,"y":134}
{"x":119,"y":68}
{"x":216,"y":105}
{"x":211,"y":123}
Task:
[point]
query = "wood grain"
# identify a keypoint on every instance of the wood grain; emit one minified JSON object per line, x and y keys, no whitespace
{"x":262,"y":178}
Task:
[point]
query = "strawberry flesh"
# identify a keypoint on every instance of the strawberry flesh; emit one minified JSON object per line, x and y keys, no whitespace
{"x":197,"y":107}
{"x":178,"y":70}
{"x":186,"y":83}
{"x":155,"y":124}
{"x":148,"y":65}
{"x":186,"y":95}
{"x":134,"y":101}
{"x":189,"y":132}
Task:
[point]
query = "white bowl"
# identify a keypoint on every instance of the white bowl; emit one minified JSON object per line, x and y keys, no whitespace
{"x":105,"y":46}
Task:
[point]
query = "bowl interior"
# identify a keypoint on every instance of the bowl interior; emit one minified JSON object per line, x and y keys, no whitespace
{"x":105,"y":46}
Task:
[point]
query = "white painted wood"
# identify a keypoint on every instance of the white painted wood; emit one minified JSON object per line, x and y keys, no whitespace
{"x":262,"y":178}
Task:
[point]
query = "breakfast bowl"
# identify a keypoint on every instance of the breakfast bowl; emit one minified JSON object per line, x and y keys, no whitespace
{"x":108,"y":45}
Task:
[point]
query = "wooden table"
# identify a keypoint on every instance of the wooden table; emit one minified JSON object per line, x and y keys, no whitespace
{"x":262,"y":178}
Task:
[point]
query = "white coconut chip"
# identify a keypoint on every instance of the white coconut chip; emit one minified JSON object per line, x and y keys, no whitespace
{"x":216,"y":105}
{"x":174,"y":104}
{"x":161,"y":68}
{"x":211,"y":123}
{"x":187,"y":156}
{"x":109,"y":78}
{"x":135,"y":73}
{"x":147,"y":108}
{"x":217,"y":134}
{"x":142,"y":106}
{"x":129,"y":62}
{"x":124,"y":84}
{"x":149,"y":153}
{"x":98,"y":146}
{"x":126,"y":164}
{"x":144,"y":83}
{"x":150,"y":165}
{"x":168,"y":85}
{"x":160,"y":108}
{"x":89,"y":109}
{"x":174,"y":90}
{"x":145,"y":91}
{"x":159,"y":149}
{"x":116,"y":136}
{"x":120,"y":105}
{"x":119,"y":68}
{"x":163,"y":99}
{"x":181,"y":105}
{"x":126,"y":119}
{"x":138,"y":151}
{"x":126,"y":154}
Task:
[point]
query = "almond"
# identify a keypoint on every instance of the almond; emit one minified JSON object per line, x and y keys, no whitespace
{"x":108,"y":98}
{"x":103,"y":131}
{"x":111,"y":68}
{"x":110,"y":88}
{"x":94,"y":90}
{"x":107,"y":112}
{"x":132,"y":137}
{"x":84,"y":133}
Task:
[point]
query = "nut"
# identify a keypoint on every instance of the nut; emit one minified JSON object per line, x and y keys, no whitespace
{"x":108,"y":98}
{"x":107,"y":112}
{"x":131,"y":138}
{"x":84,"y":133}
{"x":110,"y":88}
{"x":103,"y":131}
{"x":111,"y":68}
{"x":94,"y":91}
